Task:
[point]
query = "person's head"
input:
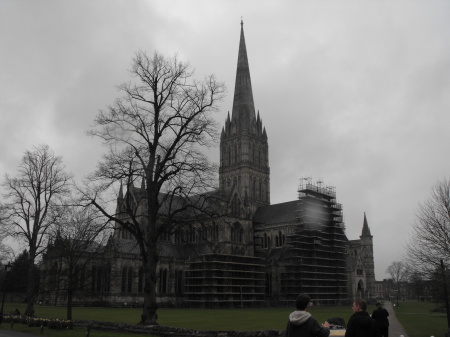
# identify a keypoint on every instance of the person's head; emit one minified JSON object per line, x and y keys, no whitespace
{"x":359,"y":305}
{"x":378,"y":304}
{"x":302,"y":302}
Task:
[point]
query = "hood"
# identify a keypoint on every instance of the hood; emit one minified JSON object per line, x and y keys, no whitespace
{"x":362,"y":318}
{"x":299,"y":317}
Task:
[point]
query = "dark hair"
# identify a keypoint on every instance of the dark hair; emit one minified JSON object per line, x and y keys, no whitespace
{"x":361,"y":303}
{"x":302,"y":301}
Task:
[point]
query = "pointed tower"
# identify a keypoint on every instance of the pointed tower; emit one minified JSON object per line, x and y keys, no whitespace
{"x":244,"y":151}
{"x":367,"y":255}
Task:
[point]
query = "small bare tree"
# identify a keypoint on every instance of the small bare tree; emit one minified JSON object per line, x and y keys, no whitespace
{"x":399,"y":273}
{"x":430,"y":237}
{"x":32,"y":201}
{"x":155,"y":135}
{"x":77,"y":242}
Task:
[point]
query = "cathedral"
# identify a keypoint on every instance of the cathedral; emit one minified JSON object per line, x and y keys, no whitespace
{"x":259,"y":255}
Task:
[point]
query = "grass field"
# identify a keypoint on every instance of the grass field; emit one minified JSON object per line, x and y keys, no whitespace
{"x":416,"y":318}
{"x":419,"y":321}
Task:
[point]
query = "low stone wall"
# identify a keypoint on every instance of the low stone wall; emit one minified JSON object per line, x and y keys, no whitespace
{"x":164,"y":331}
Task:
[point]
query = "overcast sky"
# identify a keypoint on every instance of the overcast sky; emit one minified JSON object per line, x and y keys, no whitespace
{"x":354,"y":93}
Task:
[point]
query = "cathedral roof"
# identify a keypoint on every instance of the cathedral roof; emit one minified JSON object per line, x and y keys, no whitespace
{"x":243,"y":106}
{"x":272,"y":214}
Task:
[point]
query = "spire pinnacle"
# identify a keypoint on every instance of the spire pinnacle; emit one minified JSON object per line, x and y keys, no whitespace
{"x":243,"y":112}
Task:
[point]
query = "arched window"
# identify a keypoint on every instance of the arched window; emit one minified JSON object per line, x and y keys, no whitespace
{"x":178,"y":282}
{"x":130,"y":279}
{"x":164,"y":281}
{"x":123,"y":288}
{"x":235,"y":154}
{"x":260,"y":189}
{"x":94,"y":278}
{"x":254,"y":188}
{"x":141,"y":280}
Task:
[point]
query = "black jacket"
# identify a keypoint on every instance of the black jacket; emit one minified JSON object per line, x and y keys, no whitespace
{"x":301,"y":323}
{"x":380,"y":315}
{"x":361,"y":325}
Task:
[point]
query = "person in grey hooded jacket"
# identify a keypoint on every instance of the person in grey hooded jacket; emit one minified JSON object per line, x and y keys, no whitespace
{"x":301,"y":323}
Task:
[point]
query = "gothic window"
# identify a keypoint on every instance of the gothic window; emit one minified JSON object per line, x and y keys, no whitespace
{"x":268,"y":283}
{"x":141,"y":280}
{"x":107,"y":278}
{"x":123,"y":288}
{"x":94,"y":278}
{"x":163,"y":281}
{"x":265,"y":241}
{"x":236,"y":232}
{"x":259,"y":156}
{"x":130,"y":279}
{"x":82,"y":278}
{"x":254,"y":187}
{"x":276,"y":241}
{"x":260,"y":189}
{"x":229,"y":156}
{"x":235,"y":205}
{"x":127,"y":279}
{"x":76,"y":277}
{"x":178,"y":282}
{"x":235,"y":154}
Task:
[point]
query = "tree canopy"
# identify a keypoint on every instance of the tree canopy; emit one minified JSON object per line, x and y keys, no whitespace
{"x":155,"y":135}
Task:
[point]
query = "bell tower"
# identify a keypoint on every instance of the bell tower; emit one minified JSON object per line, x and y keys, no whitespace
{"x":244,"y":151}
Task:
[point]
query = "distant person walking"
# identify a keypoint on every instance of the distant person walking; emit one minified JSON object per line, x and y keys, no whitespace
{"x":380,"y":315}
{"x":301,"y":323}
{"x":360,"y":323}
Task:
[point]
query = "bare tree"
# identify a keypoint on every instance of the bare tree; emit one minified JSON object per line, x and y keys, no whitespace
{"x":77,"y":242}
{"x":154,"y":135}
{"x":31,"y":204}
{"x":430,"y":237}
{"x":399,"y":273}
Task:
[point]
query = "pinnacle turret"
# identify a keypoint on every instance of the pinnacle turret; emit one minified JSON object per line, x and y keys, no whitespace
{"x":366,"y":229}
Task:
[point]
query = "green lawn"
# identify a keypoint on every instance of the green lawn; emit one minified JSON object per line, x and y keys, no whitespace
{"x":416,"y":318}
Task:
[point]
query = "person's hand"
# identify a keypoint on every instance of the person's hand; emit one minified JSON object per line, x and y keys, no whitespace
{"x":326,"y":324}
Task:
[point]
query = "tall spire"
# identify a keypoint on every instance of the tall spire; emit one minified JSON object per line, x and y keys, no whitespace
{"x":365,"y":230}
{"x":243,"y":112}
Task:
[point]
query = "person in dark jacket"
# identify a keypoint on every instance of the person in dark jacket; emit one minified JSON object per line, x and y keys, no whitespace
{"x":360,"y":323}
{"x":380,"y":315}
{"x":301,"y":323}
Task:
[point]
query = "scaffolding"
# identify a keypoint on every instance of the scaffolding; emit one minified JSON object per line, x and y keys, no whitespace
{"x":225,"y":281}
{"x":315,"y":257}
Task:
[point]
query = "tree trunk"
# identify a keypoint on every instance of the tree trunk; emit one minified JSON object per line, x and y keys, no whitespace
{"x":149,"y":316}
{"x":29,"y":311}
{"x":69,"y":304}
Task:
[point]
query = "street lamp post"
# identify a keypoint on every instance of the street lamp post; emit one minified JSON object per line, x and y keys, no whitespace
{"x":398,"y":295}
{"x":4,"y":291}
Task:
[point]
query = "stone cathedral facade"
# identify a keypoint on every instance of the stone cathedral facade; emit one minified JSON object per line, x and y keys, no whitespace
{"x":260,"y":255}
